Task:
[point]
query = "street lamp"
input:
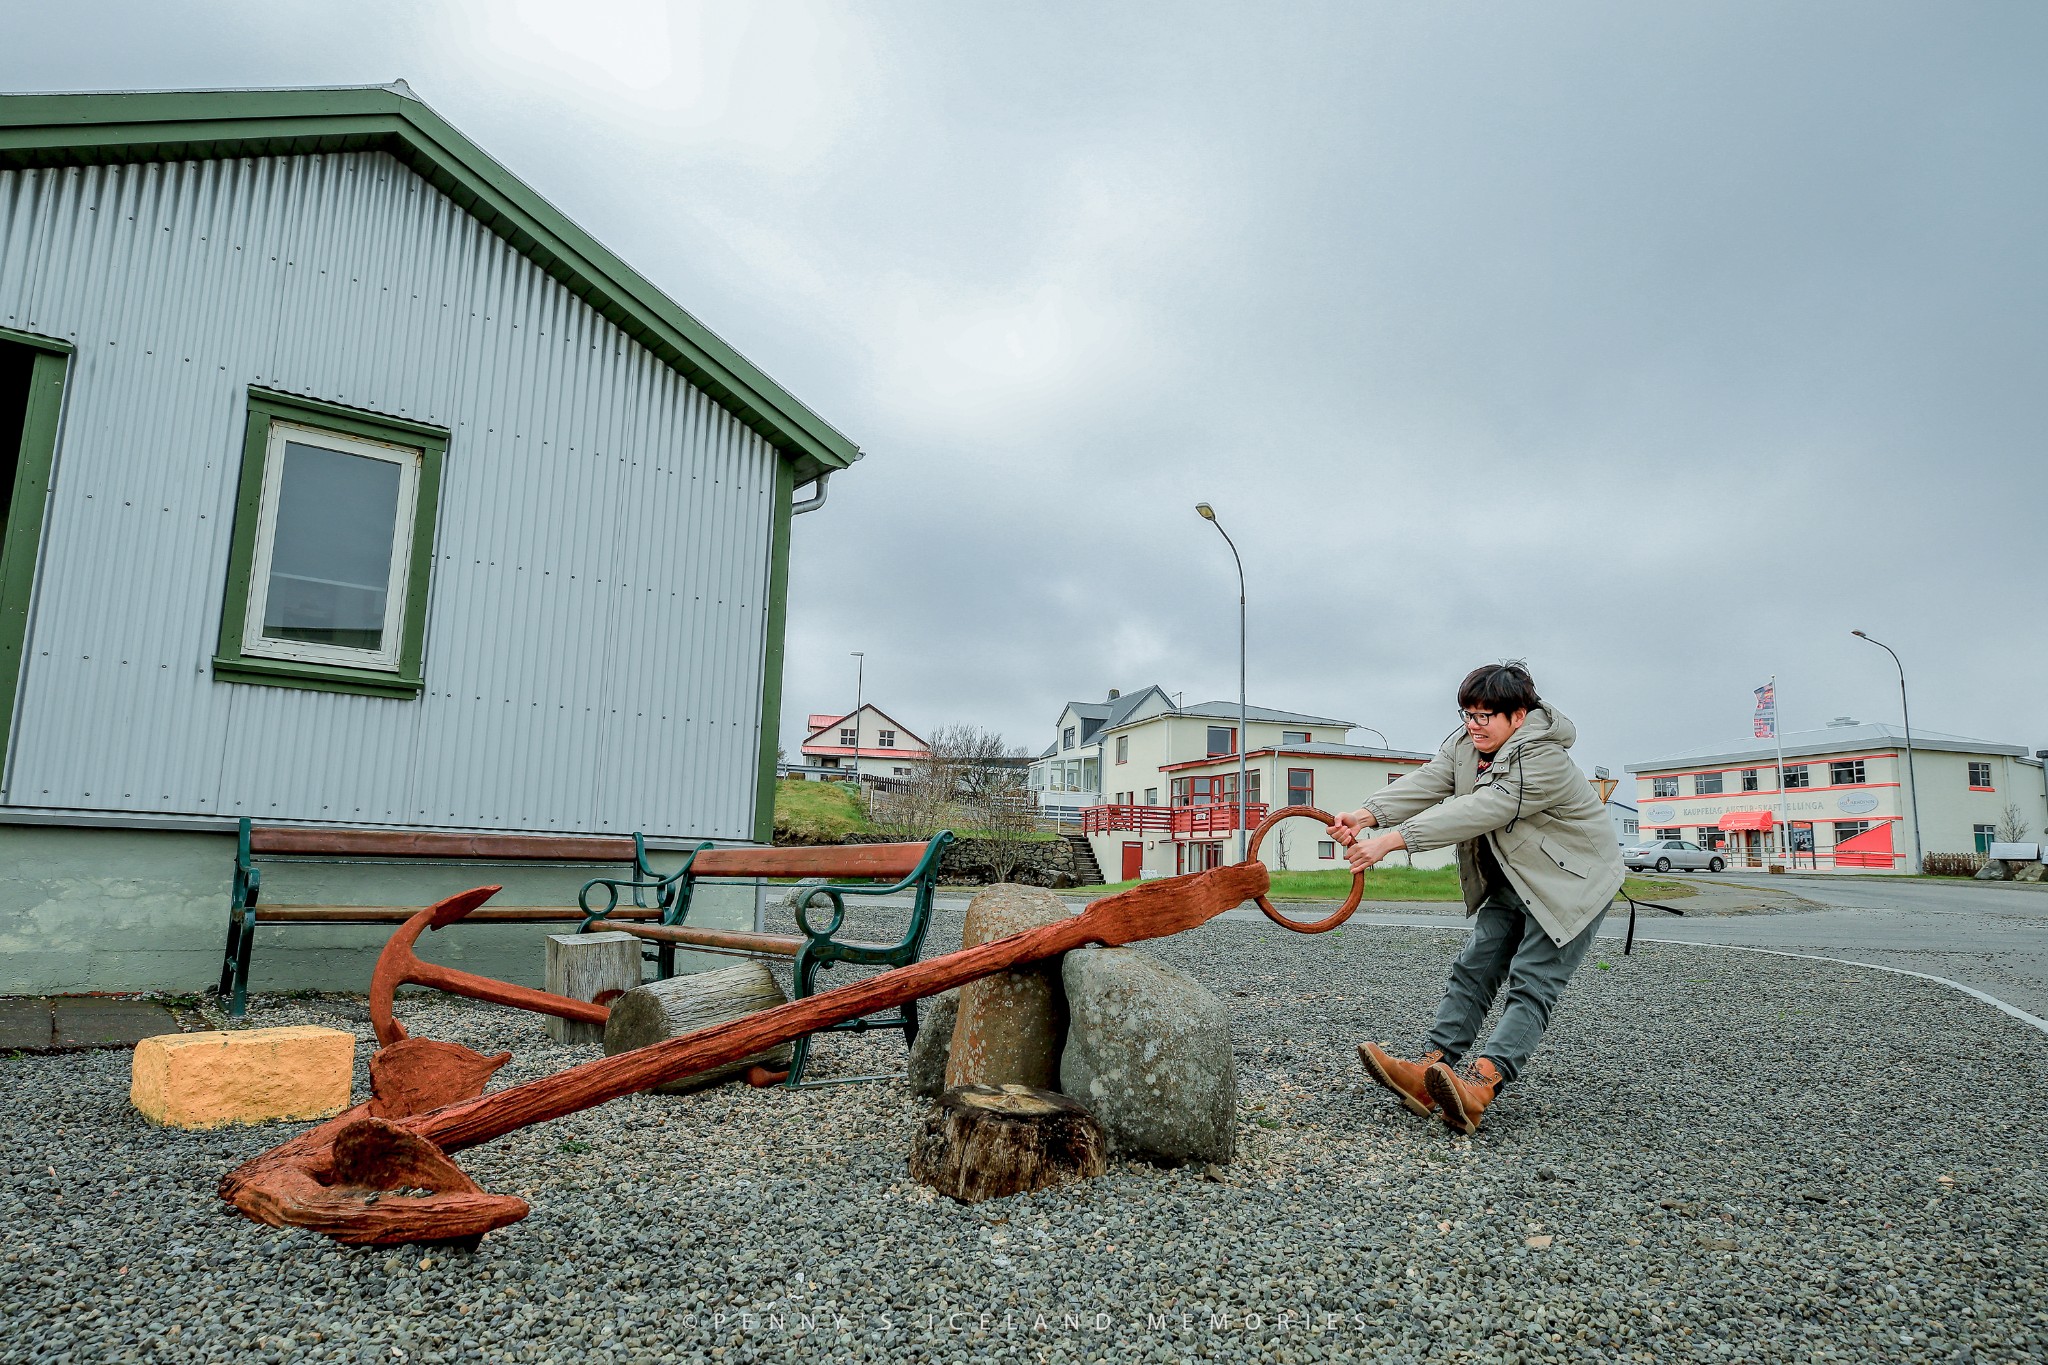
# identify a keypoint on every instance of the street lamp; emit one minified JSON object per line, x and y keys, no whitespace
{"x":859,"y":679}
{"x":1208,"y":514}
{"x":1912,"y":784}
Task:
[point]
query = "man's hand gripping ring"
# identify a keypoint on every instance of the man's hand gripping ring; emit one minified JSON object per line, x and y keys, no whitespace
{"x":1357,"y":878}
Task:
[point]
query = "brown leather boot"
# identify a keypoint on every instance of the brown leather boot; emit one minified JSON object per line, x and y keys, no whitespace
{"x":1463,"y":1100}
{"x":1403,"y":1078}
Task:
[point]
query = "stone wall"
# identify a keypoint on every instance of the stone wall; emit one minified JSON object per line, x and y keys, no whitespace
{"x":967,"y":862}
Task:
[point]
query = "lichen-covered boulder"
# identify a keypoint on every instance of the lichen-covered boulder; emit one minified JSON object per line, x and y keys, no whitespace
{"x":935,"y":1018}
{"x":1011,"y":1025}
{"x":1148,"y":1050}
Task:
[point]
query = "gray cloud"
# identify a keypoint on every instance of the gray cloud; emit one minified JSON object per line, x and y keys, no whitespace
{"x":1659,"y":345}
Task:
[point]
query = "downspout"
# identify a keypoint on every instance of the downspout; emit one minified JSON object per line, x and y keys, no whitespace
{"x":814,"y":502}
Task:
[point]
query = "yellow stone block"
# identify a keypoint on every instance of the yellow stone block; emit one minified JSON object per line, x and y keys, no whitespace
{"x":208,"y":1080}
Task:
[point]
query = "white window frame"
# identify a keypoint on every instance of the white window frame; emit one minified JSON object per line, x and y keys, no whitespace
{"x":408,"y":459}
{"x":885,"y":739}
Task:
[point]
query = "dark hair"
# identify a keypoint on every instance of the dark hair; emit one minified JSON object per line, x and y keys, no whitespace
{"x":1502,"y":687}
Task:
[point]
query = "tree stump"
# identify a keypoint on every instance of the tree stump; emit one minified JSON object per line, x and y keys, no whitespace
{"x":986,"y":1141}
{"x":592,"y":967}
{"x":661,"y":1010}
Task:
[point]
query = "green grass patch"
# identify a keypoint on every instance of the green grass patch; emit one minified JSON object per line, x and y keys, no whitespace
{"x":822,"y":812}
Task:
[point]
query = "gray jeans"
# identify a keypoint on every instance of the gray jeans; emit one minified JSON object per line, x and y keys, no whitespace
{"x":1507,"y":945}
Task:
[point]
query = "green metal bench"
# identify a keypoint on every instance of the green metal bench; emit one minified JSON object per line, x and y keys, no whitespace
{"x":256,"y":844}
{"x":851,"y":870}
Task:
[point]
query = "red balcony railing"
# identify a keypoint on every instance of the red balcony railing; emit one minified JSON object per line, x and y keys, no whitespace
{"x":1180,"y":822}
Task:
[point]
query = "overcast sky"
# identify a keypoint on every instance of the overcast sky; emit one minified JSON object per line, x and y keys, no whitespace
{"x":1660,"y":345}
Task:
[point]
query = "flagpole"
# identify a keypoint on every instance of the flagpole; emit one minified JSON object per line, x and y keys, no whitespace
{"x":1778,"y":737}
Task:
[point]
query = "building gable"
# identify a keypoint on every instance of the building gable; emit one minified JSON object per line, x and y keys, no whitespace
{"x":124,"y":128}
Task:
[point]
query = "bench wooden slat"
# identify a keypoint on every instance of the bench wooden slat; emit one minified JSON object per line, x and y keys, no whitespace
{"x":892,"y":861}
{"x":398,"y":914}
{"x":733,"y":940}
{"x":726,"y":940}
{"x":399,"y":843}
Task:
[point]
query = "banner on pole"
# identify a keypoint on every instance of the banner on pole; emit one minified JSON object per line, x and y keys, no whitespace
{"x":1767,"y":711}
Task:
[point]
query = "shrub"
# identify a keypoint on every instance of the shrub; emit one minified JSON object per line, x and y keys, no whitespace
{"x":1952,"y":864}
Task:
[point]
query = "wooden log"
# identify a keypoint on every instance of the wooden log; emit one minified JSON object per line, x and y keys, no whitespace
{"x":661,"y":1010}
{"x":593,"y":967}
{"x":987,"y":1141}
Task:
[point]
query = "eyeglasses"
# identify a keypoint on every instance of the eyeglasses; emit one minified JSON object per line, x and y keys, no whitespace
{"x":1476,"y":717}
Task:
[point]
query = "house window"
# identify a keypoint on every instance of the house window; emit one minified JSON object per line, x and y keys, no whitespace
{"x":886,"y":739}
{"x":1091,"y":774}
{"x":1628,"y":827}
{"x":332,"y":547}
{"x":1750,"y":781}
{"x":1067,"y":738}
{"x":1980,"y":776}
{"x":1123,"y":748}
{"x":1984,"y":835}
{"x":1326,"y":848}
{"x":1797,"y":776}
{"x":1706,"y":784}
{"x":1151,"y":796}
{"x":1222,"y":740}
{"x":1393,"y":778}
{"x":1663,"y":786}
{"x":1849,"y":829}
{"x":901,"y":772}
{"x":1848,"y":773}
{"x":1296,"y":737}
{"x":1073,"y":774}
{"x":849,"y":738}
{"x":1669,"y":833}
{"x":1301,"y":786}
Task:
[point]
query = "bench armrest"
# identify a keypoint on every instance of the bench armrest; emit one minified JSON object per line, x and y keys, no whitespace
{"x":923,"y":878}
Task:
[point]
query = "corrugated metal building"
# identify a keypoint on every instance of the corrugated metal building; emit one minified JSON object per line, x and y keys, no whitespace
{"x":357,"y":485}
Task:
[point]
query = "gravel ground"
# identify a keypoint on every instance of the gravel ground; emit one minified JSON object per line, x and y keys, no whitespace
{"x":1717,"y":1157}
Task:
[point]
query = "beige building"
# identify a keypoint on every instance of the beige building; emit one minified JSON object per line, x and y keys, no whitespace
{"x":1847,"y":800}
{"x":1153,"y":783}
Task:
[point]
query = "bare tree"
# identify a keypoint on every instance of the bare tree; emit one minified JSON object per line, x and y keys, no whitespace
{"x":2012,"y":825}
{"x":968,"y":782}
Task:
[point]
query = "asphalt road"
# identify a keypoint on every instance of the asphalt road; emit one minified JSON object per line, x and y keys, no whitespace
{"x":1988,"y":936}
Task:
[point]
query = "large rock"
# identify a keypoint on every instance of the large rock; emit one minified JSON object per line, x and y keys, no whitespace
{"x":1148,"y":1051}
{"x":1011,"y":1025}
{"x":2028,"y":872}
{"x":1994,"y":870}
{"x":936,"y":1016}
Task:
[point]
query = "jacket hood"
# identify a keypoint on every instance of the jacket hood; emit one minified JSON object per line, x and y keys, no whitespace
{"x":1544,"y":723}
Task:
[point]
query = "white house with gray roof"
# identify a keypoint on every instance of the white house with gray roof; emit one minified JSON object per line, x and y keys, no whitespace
{"x":1153,"y":781}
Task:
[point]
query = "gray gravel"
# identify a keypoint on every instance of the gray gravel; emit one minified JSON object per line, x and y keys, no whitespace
{"x":1735,"y":1158}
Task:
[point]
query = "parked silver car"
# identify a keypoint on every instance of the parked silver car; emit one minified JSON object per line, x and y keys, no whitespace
{"x":1662,"y":855}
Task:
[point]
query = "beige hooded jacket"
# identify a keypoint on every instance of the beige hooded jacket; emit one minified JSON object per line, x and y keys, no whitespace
{"x":1549,"y":830}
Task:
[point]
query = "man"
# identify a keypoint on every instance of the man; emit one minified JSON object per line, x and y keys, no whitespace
{"x":1538,"y":864}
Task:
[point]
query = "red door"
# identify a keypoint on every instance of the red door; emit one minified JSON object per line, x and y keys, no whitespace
{"x":1134,"y":861}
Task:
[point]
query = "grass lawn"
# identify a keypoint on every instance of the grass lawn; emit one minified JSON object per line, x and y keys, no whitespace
{"x":1401,"y":884}
{"x":823,"y":811}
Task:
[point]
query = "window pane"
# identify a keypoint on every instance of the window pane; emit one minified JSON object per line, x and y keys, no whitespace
{"x":330,"y":561}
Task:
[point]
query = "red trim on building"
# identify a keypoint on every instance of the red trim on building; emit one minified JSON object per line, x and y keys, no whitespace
{"x":1231,"y":759}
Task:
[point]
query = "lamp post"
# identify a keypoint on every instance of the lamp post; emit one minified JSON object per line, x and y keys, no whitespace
{"x":860,"y":670}
{"x":1383,"y":738}
{"x":1208,"y":514}
{"x":1912,"y":784}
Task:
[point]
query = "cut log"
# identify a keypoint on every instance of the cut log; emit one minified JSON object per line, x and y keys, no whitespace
{"x":987,"y":1141}
{"x":661,"y":1010}
{"x":592,"y":967}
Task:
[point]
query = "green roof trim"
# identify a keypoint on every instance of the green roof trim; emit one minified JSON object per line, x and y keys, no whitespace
{"x":194,"y":125}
